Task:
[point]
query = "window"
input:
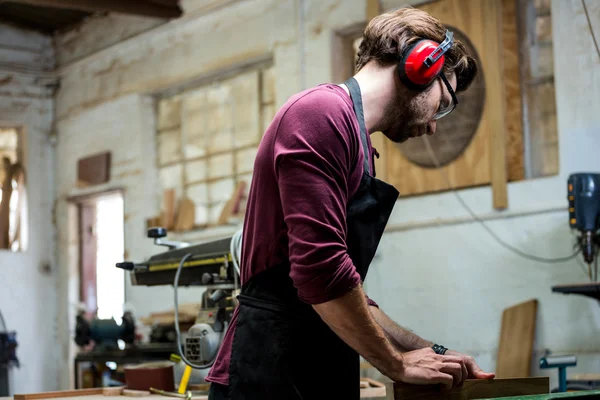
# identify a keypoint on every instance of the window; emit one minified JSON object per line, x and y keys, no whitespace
{"x":13,"y":197}
{"x":207,"y":138}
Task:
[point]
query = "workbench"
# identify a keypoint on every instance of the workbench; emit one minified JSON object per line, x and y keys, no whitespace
{"x":570,"y":395}
{"x":584,"y":395}
{"x":98,"y":394}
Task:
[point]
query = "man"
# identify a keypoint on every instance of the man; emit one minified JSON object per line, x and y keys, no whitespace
{"x":314,"y":219}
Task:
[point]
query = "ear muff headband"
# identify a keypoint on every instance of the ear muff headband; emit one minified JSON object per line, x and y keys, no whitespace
{"x":423,"y":62}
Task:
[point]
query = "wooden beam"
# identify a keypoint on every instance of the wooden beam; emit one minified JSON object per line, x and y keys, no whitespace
{"x":373,"y":9}
{"x":496,"y":100}
{"x":117,"y":6}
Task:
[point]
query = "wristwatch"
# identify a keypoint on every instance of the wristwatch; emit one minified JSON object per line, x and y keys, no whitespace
{"x":439,"y":349}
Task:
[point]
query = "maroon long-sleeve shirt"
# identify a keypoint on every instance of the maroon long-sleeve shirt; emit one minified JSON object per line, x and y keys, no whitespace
{"x":308,"y":166}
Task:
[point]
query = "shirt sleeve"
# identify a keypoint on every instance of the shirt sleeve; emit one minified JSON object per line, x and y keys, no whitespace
{"x":314,"y":156}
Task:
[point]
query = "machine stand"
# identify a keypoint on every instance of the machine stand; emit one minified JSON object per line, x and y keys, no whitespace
{"x":560,"y":362}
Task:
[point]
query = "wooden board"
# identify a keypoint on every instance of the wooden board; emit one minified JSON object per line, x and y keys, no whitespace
{"x":512,"y":92}
{"x":517,"y":337}
{"x":474,"y":389}
{"x":370,"y":388}
{"x":60,"y":394}
{"x":94,"y":169}
{"x":584,"y":395}
{"x":93,"y":394}
{"x":496,"y":100}
{"x":185,"y":215}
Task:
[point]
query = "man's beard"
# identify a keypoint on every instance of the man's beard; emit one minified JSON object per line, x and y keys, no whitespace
{"x":402,"y":120}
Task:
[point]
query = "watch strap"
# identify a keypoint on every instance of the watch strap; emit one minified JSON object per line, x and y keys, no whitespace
{"x":439,"y":349}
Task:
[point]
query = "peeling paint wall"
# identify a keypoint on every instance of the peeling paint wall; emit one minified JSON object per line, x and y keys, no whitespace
{"x":28,"y":288}
{"x":453,"y":295}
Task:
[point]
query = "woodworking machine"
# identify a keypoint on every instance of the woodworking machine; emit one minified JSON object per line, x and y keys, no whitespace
{"x":212,"y":265}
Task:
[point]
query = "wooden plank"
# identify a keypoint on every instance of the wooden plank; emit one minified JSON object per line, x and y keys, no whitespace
{"x":185,"y":215}
{"x":59,"y":394}
{"x":584,"y":395}
{"x":373,"y":392}
{"x":96,"y":394}
{"x":474,"y":389}
{"x":517,"y":337}
{"x":94,"y":169}
{"x":135,"y":393}
{"x":112,"y":390}
{"x":372,"y":382}
{"x":496,"y":101}
{"x":168,"y":209}
{"x":117,"y":6}
{"x":512,"y":88}
{"x":232,"y":204}
{"x":373,"y":9}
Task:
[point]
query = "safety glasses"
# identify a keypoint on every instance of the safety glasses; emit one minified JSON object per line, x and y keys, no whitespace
{"x":448,"y":109}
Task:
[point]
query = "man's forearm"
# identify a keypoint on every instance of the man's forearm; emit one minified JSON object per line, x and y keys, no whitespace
{"x":349,"y":317}
{"x":403,"y":339}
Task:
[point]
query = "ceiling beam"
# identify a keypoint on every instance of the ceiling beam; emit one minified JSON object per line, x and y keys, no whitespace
{"x":117,"y":6}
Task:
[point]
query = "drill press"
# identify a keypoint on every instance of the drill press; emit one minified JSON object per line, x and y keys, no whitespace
{"x":584,"y":215}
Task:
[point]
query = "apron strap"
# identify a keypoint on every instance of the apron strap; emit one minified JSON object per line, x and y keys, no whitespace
{"x":356,"y":97}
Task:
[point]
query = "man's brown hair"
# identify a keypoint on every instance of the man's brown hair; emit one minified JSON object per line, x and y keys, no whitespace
{"x":389,"y":35}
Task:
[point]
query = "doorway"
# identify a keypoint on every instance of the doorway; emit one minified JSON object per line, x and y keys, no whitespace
{"x":101,"y":233}
{"x":101,"y":285}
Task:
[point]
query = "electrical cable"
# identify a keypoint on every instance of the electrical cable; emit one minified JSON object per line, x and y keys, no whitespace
{"x":483,"y":224}
{"x":176,"y":302}
{"x":587,"y":15}
{"x":235,"y":248}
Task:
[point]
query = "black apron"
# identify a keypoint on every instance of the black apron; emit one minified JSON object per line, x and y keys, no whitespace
{"x":282,"y":349}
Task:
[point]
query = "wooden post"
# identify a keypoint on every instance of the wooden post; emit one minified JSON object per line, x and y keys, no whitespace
{"x":498,"y":126}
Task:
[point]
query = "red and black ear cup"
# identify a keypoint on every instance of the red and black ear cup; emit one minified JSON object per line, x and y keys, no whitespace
{"x":412,"y":69}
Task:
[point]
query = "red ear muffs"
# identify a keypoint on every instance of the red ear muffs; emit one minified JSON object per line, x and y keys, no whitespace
{"x":423,"y":62}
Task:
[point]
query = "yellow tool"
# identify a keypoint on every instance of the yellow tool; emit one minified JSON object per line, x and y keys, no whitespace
{"x":185,"y":379}
{"x":186,"y":374}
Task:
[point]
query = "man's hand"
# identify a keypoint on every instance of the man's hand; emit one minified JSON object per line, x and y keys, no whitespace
{"x":474,"y":372}
{"x":425,"y":367}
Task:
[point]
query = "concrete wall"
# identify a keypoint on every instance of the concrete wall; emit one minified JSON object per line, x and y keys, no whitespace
{"x":450,"y":282}
{"x":28,"y":284}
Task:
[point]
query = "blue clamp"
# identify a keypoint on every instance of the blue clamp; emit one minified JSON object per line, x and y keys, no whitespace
{"x":560,"y":362}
